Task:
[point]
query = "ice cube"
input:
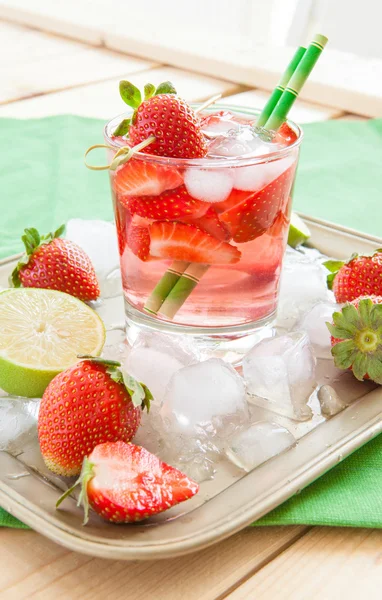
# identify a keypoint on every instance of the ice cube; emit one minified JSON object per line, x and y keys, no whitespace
{"x":314,"y":323}
{"x":256,"y":177}
{"x":209,"y":395}
{"x":258,"y":443}
{"x":209,"y":186}
{"x":18,"y":422}
{"x":240,"y":141}
{"x":330,"y":402}
{"x":219,"y":123}
{"x":99,"y":240}
{"x":302,"y":284}
{"x":155,"y":357}
{"x":280,"y":372}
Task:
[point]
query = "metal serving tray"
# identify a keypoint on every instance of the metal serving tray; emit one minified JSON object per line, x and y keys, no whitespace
{"x":233,"y":499}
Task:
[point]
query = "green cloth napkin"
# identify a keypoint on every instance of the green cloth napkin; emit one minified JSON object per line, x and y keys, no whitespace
{"x":44,"y":183}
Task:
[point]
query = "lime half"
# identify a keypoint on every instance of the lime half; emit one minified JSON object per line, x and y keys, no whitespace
{"x":298,"y":231}
{"x":41,"y":334}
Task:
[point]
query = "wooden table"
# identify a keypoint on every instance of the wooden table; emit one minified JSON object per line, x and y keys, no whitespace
{"x":49,"y":75}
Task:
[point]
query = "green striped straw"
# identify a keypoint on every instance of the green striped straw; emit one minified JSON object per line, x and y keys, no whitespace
{"x":299,"y":77}
{"x":164,"y":286}
{"x":279,"y":89}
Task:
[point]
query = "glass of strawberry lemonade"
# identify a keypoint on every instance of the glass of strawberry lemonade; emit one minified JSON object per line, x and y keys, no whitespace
{"x":201,"y":240}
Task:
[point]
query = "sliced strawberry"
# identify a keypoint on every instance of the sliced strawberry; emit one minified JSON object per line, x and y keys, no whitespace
{"x":285,"y":135}
{"x":138,"y":240}
{"x":141,"y":178}
{"x":170,"y":205}
{"x":248,"y":216}
{"x":124,"y":483}
{"x":211,"y":224}
{"x":179,"y":241}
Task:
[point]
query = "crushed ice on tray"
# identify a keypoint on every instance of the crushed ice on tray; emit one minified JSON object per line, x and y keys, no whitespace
{"x":155,"y":357}
{"x":314,"y":323}
{"x":280,"y":374}
{"x":204,"y":404}
{"x":302,"y":285}
{"x":99,"y":240}
{"x":258,"y":443}
{"x":18,"y":422}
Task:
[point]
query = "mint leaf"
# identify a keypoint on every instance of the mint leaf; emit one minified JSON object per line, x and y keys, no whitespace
{"x":149,"y":90}
{"x":165,"y":88}
{"x":123,"y":128}
{"x":130,"y":94}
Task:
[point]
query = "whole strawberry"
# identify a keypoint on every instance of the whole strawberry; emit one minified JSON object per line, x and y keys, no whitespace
{"x":359,"y":276}
{"x":175,"y":125}
{"x":124,"y":483}
{"x":54,"y":263}
{"x":357,"y":338}
{"x":90,"y":403}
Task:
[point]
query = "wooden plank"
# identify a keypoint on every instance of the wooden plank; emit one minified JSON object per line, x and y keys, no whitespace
{"x":327,"y":563}
{"x":102,"y":99}
{"x":38,"y":568}
{"x":302,"y":112}
{"x":341,"y":79}
{"x":349,"y":117}
{"x":44,"y":63}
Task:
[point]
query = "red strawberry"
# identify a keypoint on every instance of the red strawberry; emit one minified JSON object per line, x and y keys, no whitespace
{"x":211,"y":224}
{"x":138,"y":237}
{"x":162,"y":114}
{"x":285,"y":135}
{"x":56,"y":264}
{"x":170,"y":205}
{"x":248,"y":215}
{"x":124,"y":483}
{"x":179,"y":241}
{"x":360,"y":276}
{"x":357,"y":338}
{"x":141,"y":178}
{"x":90,"y":403}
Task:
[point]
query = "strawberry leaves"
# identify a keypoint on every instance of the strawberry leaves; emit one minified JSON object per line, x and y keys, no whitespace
{"x":132,"y":96}
{"x":139,"y":392}
{"x":333,"y":266}
{"x":32,"y":240}
{"x":123,"y":128}
{"x":359,"y":329}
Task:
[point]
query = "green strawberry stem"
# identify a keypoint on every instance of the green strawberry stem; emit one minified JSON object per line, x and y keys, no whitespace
{"x":87,"y":473}
{"x":182,"y":289}
{"x":359,"y":331}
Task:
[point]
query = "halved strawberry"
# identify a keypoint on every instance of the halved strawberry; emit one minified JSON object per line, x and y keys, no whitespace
{"x":179,"y":241}
{"x":211,"y":224}
{"x":248,"y":216}
{"x":124,"y":483}
{"x":141,"y":178}
{"x":138,"y":240}
{"x":170,"y":205}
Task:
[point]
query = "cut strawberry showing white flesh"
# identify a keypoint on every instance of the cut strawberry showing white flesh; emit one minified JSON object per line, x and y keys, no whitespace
{"x":141,"y":178}
{"x":179,"y":241}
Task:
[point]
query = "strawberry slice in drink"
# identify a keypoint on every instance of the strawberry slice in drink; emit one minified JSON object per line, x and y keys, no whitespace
{"x":142,"y":178}
{"x":210,"y":223}
{"x":178,"y":241}
{"x":138,"y":237}
{"x":249,"y":215}
{"x":170,"y":205}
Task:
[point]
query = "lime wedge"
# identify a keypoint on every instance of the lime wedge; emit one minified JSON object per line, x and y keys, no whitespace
{"x":41,"y":334}
{"x":298,"y":231}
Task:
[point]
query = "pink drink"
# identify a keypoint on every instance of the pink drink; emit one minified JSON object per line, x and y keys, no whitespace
{"x":224,"y":216}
